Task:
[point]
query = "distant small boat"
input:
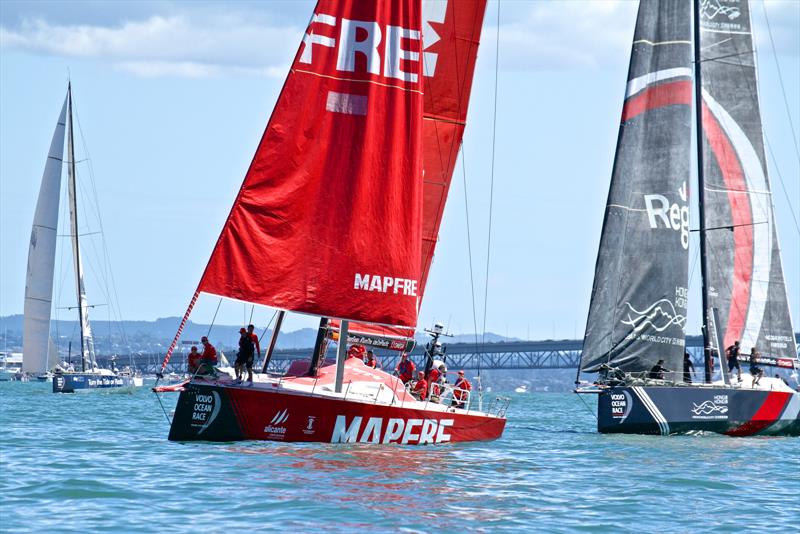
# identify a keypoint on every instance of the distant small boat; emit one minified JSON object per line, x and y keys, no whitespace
{"x":39,"y":354}
{"x":521,"y":389}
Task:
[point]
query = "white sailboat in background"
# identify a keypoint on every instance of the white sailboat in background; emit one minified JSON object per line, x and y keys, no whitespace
{"x":40,"y":354}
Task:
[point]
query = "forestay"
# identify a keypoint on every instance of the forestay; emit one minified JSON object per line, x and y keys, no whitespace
{"x":637,"y":313}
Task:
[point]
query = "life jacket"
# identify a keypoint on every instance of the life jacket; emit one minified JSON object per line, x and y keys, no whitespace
{"x":462,"y":385}
{"x":421,"y":387}
{"x":406,"y":369}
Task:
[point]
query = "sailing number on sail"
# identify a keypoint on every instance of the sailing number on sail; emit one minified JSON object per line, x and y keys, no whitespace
{"x":363,"y":38}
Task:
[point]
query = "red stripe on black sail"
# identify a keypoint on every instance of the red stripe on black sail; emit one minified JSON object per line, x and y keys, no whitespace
{"x":742,"y":224}
{"x":638,"y":308}
{"x":328,"y":219}
{"x":744,"y":279}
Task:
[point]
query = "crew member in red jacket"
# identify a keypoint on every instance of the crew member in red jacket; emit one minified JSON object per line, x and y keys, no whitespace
{"x":371,"y":361}
{"x":420,"y":390}
{"x":462,"y":386}
{"x":194,"y":361}
{"x":209,"y":357}
{"x":254,"y":337}
{"x":405,"y":368}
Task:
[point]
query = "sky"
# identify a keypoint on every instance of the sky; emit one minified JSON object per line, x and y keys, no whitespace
{"x":172,"y":99}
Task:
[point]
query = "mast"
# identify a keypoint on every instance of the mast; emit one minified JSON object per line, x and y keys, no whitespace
{"x":83,"y":318}
{"x":698,"y":95}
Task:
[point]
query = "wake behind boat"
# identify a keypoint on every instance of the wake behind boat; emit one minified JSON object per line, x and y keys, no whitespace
{"x":335,"y":220}
{"x":635,"y":333}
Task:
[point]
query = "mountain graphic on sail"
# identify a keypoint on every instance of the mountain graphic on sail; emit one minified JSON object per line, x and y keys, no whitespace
{"x":328,"y":219}
{"x":642,"y":265}
{"x":744,"y":278}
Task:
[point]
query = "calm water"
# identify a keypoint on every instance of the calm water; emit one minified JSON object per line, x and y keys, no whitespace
{"x":101,"y":462}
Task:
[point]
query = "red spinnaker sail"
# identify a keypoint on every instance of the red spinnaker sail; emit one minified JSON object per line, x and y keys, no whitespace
{"x":451,"y":34}
{"x":328,"y":219}
{"x":451,"y":31}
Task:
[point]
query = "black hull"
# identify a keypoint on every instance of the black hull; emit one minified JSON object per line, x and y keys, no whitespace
{"x":664,"y":410}
{"x":72,"y":382}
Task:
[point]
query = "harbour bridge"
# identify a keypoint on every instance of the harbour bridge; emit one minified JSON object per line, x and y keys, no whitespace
{"x":509,"y":355}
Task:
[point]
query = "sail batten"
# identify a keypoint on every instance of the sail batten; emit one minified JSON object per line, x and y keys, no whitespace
{"x":744,"y":278}
{"x":41,"y":258}
{"x":637,"y":313}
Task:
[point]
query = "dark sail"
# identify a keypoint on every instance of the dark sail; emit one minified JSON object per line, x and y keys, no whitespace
{"x":637,"y":313}
{"x":744,"y":278}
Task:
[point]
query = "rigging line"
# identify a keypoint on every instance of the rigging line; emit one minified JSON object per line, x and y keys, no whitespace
{"x":783,"y":185}
{"x":469,"y":247}
{"x":214,"y":318}
{"x":491,"y":181}
{"x":780,"y":79}
{"x":109,"y":279}
{"x":252,"y":310}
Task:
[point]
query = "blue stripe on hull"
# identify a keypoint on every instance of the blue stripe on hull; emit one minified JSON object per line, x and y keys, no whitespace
{"x":72,"y":382}
{"x":681,"y":410}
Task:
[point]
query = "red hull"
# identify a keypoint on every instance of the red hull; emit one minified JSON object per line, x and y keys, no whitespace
{"x":219,"y":412}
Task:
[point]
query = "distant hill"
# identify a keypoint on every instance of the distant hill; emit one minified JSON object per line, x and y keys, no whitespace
{"x":155,"y":336}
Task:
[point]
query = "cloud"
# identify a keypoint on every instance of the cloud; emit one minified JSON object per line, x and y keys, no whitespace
{"x":207,"y":39}
{"x":557,"y":35}
{"x":176,"y":45}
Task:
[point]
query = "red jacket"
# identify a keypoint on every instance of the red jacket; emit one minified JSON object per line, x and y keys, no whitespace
{"x":210,"y":353}
{"x":254,"y":337}
{"x":406,"y":370}
{"x":371,"y":363}
{"x":421,"y":387}
{"x":434,"y":375}
{"x":194,"y":361}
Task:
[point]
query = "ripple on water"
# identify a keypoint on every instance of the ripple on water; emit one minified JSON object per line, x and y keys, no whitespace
{"x":102,"y":463}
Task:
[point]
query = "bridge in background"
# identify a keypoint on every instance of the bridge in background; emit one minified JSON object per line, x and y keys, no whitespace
{"x":559,"y":354}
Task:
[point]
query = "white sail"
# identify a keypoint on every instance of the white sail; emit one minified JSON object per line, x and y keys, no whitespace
{"x":87,"y":341}
{"x":41,"y":258}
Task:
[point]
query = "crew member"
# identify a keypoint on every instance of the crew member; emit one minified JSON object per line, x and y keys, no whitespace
{"x":371,"y":361}
{"x":460,"y":393}
{"x":194,"y":361}
{"x":420,"y":390}
{"x":254,"y":339}
{"x":688,"y":368}
{"x":208,"y":360}
{"x":732,"y":353}
{"x":245,"y":356}
{"x":355,"y":351}
{"x":755,"y":371}
{"x":657,"y":371}
{"x":405,"y":368}
{"x":433,"y":382}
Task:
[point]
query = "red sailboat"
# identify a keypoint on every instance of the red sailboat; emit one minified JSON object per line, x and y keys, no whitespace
{"x":338,"y":217}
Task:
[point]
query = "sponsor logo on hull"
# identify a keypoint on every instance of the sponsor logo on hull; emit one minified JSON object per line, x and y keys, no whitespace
{"x":711,"y":409}
{"x":275,"y":428}
{"x":391,"y":430}
{"x":621,"y":404}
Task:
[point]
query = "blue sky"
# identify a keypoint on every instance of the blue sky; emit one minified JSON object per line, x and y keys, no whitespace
{"x":172,"y":98}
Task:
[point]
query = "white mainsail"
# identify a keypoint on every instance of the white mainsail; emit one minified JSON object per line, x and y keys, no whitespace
{"x":41,"y":258}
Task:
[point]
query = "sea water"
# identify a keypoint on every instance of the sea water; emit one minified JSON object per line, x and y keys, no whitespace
{"x":101,"y":462}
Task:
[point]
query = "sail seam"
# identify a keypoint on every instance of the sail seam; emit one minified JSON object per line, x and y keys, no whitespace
{"x":373,"y":82}
{"x":659,"y":43}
